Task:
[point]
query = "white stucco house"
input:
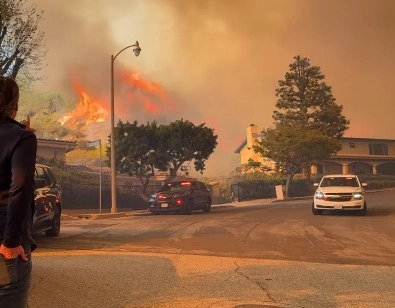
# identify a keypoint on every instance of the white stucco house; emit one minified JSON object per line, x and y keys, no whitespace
{"x":358,"y":155}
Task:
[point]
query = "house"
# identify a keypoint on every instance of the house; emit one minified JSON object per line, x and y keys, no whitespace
{"x":55,"y":150}
{"x":358,"y":155}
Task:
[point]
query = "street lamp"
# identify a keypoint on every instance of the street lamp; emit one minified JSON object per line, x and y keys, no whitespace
{"x":136,"y":50}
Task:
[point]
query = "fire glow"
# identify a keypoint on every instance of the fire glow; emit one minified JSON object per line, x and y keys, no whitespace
{"x":152,"y":97}
{"x":86,"y":111}
{"x":137,"y":82}
{"x":143,"y":95}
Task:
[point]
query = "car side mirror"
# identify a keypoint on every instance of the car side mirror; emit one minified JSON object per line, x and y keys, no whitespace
{"x":39,"y":183}
{"x":364,"y":184}
{"x":315,"y":184}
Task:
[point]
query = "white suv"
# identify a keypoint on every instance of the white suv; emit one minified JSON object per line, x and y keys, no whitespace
{"x":339,"y":192}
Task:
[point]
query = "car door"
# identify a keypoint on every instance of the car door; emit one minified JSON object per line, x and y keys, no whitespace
{"x":205,"y":194}
{"x":198,"y":195}
{"x":56,"y":189}
{"x":43,"y":200}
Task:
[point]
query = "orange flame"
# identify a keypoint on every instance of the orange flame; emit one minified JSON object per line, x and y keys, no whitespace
{"x":140,"y":95}
{"x":150,"y":106}
{"x":153,"y":97}
{"x":148,"y":86}
{"x":87,"y":110}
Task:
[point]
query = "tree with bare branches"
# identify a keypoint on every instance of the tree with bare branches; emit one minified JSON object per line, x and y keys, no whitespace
{"x":21,"y":40}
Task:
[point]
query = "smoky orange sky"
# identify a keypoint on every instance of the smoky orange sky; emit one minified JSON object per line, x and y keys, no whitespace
{"x":219,"y":61}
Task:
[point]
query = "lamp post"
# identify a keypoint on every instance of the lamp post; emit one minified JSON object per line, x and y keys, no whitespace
{"x":136,"y":50}
{"x":93,"y":144}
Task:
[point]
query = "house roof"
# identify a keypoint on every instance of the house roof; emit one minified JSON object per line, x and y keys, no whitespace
{"x":67,"y":145}
{"x":244,"y":143}
{"x":57,"y":141}
{"x":367,"y":139}
{"x":241,"y":146}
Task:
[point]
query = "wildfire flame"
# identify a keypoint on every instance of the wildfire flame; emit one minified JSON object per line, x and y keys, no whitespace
{"x":152,"y":88}
{"x":153,"y":97}
{"x":87,"y":110}
{"x":143,"y":95}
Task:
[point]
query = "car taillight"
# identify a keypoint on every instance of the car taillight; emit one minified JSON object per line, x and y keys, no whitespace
{"x":178,"y":202}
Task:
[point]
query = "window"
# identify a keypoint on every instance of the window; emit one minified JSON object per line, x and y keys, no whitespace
{"x":177,"y":186}
{"x":52,"y":176}
{"x":41,"y":174}
{"x":203,"y":186}
{"x":340,"y":181}
{"x":378,"y":149}
{"x":195,"y":186}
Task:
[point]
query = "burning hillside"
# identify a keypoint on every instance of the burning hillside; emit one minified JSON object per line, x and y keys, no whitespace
{"x":140,"y":95}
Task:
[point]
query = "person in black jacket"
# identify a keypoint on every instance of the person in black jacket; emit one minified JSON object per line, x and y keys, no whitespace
{"x":18,"y":148}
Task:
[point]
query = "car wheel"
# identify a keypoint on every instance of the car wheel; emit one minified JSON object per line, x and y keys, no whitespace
{"x":315,"y":211}
{"x":188,"y":208}
{"x":55,"y":224}
{"x":207,"y":207}
{"x":364,"y":210}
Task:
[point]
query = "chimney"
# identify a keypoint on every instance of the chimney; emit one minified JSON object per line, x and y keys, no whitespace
{"x":252,"y":131}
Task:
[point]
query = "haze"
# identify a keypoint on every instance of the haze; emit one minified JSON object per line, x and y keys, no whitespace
{"x":219,"y":61}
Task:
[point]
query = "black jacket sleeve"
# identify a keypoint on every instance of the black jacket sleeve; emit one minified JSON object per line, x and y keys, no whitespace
{"x":21,"y":189}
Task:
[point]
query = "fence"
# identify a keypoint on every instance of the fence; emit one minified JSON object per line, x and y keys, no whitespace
{"x":87,"y":196}
{"x":264,"y":189}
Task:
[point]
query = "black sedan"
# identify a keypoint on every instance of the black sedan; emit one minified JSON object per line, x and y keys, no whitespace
{"x":47,"y":202}
{"x":181,"y":196}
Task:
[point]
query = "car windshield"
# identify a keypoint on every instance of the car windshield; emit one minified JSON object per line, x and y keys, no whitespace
{"x":177,"y":186}
{"x":340,"y":181}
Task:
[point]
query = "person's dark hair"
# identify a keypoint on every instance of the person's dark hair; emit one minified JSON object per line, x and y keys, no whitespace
{"x":9,"y":96}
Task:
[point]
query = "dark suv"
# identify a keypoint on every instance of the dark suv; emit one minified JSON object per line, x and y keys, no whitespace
{"x":181,"y":196}
{"x":47,"y":202}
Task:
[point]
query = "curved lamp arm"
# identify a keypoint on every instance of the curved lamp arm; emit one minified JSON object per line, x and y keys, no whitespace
{"x":136,"y":50}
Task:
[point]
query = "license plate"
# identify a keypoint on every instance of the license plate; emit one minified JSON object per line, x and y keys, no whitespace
{"x":338,"y":207}
{"x":164,"y":205}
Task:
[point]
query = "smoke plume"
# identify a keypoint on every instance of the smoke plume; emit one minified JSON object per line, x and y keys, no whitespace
{"x":219,"y":61}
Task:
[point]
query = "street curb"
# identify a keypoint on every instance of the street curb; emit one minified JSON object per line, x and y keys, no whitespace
{"x":92,"y":216}
{"x":293,"y":199}
{"x":248,"y":203}
{"x":108,"y":215}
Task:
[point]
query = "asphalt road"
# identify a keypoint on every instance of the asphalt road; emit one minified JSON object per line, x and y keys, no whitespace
{"x":252,"y":255}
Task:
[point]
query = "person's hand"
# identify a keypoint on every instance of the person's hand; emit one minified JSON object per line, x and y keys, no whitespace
{"x":27,"y":124}
{"x":13,"y":253}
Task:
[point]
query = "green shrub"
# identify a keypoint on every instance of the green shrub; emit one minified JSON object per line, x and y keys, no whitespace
{"x":69,"y":177}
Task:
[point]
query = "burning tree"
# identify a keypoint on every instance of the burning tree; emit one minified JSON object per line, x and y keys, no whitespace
{"x":21,"y":40}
